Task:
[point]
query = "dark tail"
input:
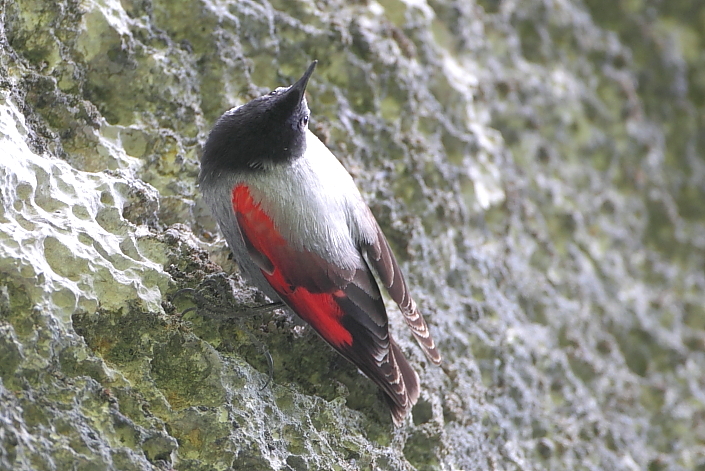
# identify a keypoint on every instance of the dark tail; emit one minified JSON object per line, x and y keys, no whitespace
{"x":402,"y":396}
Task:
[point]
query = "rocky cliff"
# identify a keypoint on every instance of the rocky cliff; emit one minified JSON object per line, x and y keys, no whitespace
{"x":537,"y":165}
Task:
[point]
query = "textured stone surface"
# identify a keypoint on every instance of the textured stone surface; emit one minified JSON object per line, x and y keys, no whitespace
{"x":537,"y":166}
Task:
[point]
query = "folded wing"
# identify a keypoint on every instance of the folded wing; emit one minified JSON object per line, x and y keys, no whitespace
{"x":383,"y":261}
{"x":343,"y":305}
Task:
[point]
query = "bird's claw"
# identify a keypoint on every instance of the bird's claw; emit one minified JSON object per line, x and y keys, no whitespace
{"x":221,"y":306}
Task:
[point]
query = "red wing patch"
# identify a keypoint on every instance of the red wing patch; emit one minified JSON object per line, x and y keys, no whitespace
{"x":319,"y":309}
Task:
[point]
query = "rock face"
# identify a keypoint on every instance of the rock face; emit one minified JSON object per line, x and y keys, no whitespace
{"x":537,"y":166}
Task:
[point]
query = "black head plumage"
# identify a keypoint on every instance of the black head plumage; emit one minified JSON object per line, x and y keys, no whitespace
{"x":266,"y":131}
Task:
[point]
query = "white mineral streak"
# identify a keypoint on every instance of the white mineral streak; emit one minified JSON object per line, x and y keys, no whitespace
{"x":62,"y":232}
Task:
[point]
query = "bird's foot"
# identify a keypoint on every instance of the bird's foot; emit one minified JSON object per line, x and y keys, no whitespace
{"x":213,"y":300}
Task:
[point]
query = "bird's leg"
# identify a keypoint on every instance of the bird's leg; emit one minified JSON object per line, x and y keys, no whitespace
{"x":265,"y":308}
{"x":215,"y":302}
{"x":270,"y":362}
{"x":212,"y":300}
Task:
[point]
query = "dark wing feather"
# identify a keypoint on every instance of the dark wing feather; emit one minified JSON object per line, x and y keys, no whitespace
{"x":375,"y":352}
{"x":382,"y":260}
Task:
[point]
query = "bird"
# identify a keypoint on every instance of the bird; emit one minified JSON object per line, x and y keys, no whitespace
{"x":301,"y":232}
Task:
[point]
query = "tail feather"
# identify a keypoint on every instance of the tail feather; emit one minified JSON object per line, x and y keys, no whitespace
{"x":382,"y":259}
{"x":379,"y":357}
{"x":419,"y":328}
{"x":408,"y":390}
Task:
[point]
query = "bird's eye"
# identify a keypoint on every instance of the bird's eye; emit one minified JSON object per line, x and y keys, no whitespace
{"x":304,"y":121}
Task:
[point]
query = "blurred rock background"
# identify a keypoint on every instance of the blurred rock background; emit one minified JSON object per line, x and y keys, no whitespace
{"x":538,"y":166}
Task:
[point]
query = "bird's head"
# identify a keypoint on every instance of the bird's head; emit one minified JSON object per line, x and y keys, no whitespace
{"x":267,"y":131}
